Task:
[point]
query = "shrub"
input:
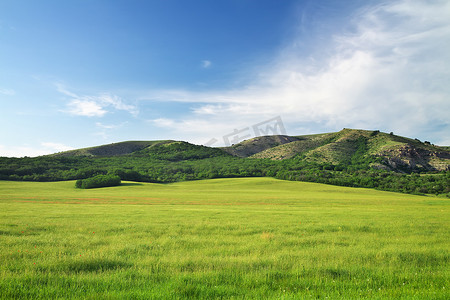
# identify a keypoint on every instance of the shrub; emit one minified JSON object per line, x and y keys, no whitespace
{"x":98,"y":181}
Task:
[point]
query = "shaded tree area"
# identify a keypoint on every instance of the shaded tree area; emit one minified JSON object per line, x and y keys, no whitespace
{"x":98,"y":182}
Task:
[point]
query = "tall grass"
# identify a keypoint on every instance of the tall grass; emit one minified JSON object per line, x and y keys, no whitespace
{"x":223,"y":238}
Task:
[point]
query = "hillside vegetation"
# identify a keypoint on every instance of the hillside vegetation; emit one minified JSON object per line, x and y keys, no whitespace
{"x":346,"y":147}
{"x":350,"y":146}
{"x":356,"y":158}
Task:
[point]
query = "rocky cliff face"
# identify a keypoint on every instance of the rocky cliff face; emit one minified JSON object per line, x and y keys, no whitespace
{"x":412,"y":157}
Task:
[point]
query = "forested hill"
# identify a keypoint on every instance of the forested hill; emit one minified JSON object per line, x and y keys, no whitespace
{"x":359,"y":158}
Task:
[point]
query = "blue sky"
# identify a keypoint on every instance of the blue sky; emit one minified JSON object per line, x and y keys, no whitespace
{"x":82,"y":73}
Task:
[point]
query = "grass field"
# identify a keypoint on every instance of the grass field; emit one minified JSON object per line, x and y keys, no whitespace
{"x":222,"y":238}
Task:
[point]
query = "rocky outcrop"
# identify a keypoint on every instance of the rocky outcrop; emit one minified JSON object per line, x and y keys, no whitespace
{"x":411,"y":157}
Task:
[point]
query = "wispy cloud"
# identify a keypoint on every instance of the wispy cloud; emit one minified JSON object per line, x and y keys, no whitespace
{"x":58,"y":147}
{"x":194,"y":130}
{"x":186,"y":126}
{"x":391,"y":73}
{"x":104,"y":130}
{"x":87,"y":108}
{"x":7,"y":92}
{"x":109,"y":126}
{"x":206,"y":64}
{"x":94,"y":106}
{"x":31,"y":151}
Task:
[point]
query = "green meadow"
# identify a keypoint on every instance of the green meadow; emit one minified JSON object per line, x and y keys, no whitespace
{"x":223,"y":238}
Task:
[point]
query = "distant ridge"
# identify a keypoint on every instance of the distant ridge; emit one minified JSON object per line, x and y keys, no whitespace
{"x":259,"y":144}
{"x":114,"y":149}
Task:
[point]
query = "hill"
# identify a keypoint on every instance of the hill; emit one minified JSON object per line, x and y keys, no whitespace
{"x":344,"y":148}
{"x":259,"y":144}
{"x":349,"y":147}
{"x":113,"y":149}
{"x":178,"y":151}
{"x":162,"y":150}
{"x":350,"y":157}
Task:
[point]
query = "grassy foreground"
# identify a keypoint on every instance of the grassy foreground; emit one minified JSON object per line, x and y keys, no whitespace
{"x":222,"y":238}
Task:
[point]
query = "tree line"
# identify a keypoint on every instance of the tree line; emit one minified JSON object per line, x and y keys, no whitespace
{"x":145,"y":168}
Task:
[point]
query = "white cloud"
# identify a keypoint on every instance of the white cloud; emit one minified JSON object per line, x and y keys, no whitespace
{"x":117,"y":103}
{"x":31,"y":151}
{"x":105,"y":130}
{"x":206,"y":64}
{"x":87,"y":108}
{"x":58,"y":147}
{"x":63,"y":90}
{"x":7,"y":92}
{"x":202,"y":130}
{"x":94,"y":106}
{"x":186,"y":125}
{"x":20,"y":151}
{"x":193,"y":130}
{"x":390,"y":73}
{"x":109,"y":126}
{"x":165,"y":123}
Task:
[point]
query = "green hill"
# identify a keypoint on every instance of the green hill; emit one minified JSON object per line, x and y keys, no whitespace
{"x":349,"y":147}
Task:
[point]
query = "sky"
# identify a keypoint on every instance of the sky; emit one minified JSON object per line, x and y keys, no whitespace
{"x":82,"y":73}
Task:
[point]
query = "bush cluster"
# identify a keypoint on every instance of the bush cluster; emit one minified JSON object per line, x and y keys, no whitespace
{"x":98,"y":181}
